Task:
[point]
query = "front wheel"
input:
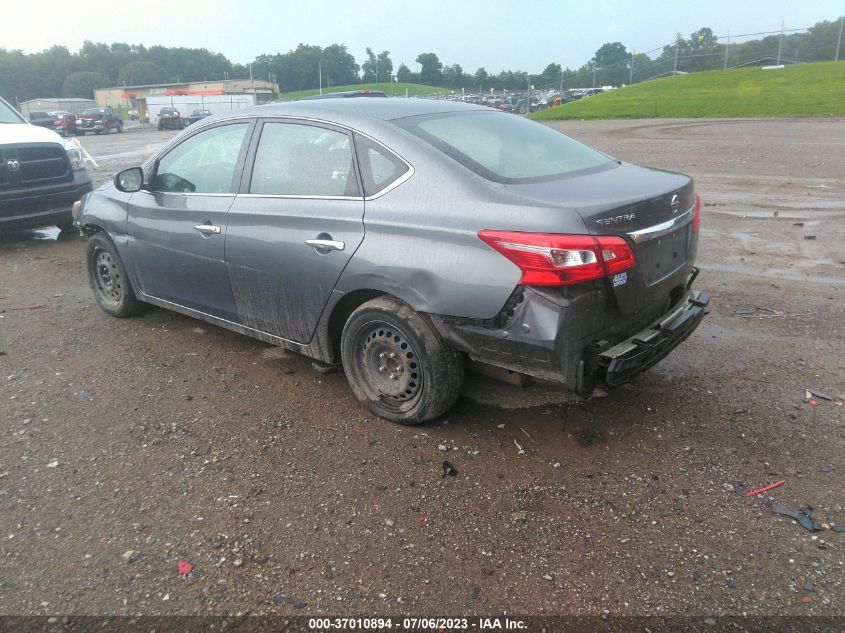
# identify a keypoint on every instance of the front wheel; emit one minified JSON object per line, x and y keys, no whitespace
{"x":397,"y":364}
{"x":108,"y":278}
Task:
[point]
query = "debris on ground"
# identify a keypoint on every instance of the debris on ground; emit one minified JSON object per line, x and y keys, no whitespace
{"x":598,"y":392}
{"x":528,"y":436}
{"x":449,"y":469}
{"x":83,"y":395}
{"x":818,"y":393}
{"x":765,"y":488}
{"x":809,"y":237}
{"x":519,"y":449}
{"x":36,"y":306}
{"x":185,"y":568}
{"x":804,"y":519}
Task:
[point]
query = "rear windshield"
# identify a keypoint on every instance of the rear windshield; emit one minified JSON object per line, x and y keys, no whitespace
{"x":504,"y":147}
{"x":94,"y":111}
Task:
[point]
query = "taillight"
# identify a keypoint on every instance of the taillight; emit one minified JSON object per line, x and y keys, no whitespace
{"x":548,"y":259}
{"x":696,"y":215}
{"x":74,"y":210}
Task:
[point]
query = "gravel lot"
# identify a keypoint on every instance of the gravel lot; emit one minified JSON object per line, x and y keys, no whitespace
{"x":128,"y":445}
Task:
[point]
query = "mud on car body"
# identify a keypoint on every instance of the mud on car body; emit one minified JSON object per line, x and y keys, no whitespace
{"x":398,"y":237}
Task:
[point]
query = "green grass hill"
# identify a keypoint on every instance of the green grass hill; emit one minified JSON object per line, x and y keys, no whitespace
{"x":798,"y":90}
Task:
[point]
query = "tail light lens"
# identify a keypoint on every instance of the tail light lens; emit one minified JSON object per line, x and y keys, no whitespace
{"x":696,"y":215}
{"x":74,"y":210}
{"x":548,"y":259}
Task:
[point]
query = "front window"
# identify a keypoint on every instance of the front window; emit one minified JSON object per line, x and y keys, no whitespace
{"x":505,"y":148}
{"x":204,"y":163}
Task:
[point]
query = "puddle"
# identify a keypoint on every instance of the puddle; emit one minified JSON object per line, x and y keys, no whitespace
{"x":48,"y":234}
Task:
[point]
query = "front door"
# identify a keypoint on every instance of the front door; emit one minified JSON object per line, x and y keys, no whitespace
{"x":177,"y":228}
{"x":295,"y":226}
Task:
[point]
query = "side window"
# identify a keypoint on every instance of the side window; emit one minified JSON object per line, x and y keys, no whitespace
{"x":379,"y":166}
{"x":303,"y":160}
{"x":205,"y":163}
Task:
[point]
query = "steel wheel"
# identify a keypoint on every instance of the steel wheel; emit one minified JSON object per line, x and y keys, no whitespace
{"x":397,"y":364}
{"x":390,"y":363}
{"x":109,"y":281}
{"x":108,"y":278}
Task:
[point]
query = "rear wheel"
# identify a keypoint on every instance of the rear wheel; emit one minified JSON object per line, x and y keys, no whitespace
{"x":65,"y":224}
{"x":108,"y":278}
{"x":397,"y":364}
{"x":120,"y":128}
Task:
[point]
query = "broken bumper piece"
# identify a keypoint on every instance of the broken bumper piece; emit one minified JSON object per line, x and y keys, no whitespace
{"x":639,"y":352}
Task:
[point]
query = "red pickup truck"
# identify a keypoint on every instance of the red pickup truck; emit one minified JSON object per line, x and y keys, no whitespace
{"x":99,"y":120}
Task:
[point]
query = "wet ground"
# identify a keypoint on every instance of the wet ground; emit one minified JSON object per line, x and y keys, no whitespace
{"x":128,"y":445}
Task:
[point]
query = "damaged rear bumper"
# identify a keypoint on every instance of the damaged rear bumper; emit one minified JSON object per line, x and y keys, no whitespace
{"x":625,"y":360}
{"x":576,"y":335}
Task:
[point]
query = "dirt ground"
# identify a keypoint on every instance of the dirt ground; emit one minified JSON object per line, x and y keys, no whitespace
{"x":128,"y":445}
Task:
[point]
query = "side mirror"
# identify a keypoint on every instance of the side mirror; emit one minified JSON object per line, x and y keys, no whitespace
{"x":129,"y":180}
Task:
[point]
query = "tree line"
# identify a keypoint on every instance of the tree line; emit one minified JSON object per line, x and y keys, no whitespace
{"x":57,"y":72}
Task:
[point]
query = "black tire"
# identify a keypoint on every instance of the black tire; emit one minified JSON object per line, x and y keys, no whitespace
{"x":120,"y":128}
{"x":108,"y":278}
{"x":397,"y":364}
{"x":65,"y":224}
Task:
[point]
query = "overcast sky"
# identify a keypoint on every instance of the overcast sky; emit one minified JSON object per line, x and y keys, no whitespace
{"x":497,"y":34}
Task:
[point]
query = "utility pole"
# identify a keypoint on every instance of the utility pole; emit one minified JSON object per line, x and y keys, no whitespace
{"x":561,"y":81}
{"x":839,"y":40}
{"x":780,"y":42}
{"x":594,"y":76}
{"x":727,"y":46}
{"x":675,"y":67}
{"x":320,"y":73}
{"x":631,"y":75}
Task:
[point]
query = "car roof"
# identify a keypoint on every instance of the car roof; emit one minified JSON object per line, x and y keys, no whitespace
{"x":348,"y":111}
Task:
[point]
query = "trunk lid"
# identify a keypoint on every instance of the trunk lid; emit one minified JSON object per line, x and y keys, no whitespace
{"x":650,"y":208}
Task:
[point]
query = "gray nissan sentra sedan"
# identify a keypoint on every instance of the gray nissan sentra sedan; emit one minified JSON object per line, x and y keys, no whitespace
{"x":399,"y":237}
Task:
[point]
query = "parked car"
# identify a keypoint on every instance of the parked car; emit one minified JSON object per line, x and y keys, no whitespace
{"x":42,"y":119}
{"x":133,"y":115}
{"x":195,"y":116}
{"x":65,"y":123}
{"x":169,"y":118}
{"x":41,"y":175}
{"x":486,"y":236}
{"x":60,"y":121}
{"x":99,"y":120}
{"x":345,"y":94}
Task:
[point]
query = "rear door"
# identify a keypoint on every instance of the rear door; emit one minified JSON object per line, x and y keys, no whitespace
{"x":294,"y":227}
{"x":177,"y":229}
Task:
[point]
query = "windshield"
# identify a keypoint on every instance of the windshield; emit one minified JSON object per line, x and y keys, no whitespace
{"x":94,"y":111}
{"x":505,"y":148}
{"x":8,"y":114}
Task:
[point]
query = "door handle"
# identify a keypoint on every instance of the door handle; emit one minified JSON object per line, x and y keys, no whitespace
{"x":326,"y":245}
{"x":208,"y":229}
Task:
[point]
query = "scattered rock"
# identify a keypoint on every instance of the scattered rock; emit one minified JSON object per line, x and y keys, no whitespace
{"x":131,"y":556}
{"x":442,"y":447}
{"x":696,"y":575}
{"x":809,"y":585}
